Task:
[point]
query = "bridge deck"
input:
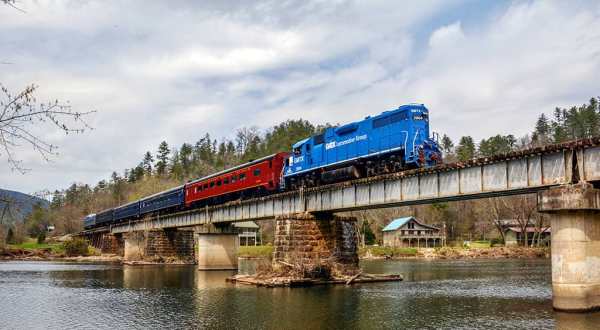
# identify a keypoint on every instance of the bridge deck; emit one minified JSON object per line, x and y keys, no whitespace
{"x":514,"y":173}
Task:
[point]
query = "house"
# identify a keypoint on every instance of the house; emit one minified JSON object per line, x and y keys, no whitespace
{"x":248,"y":232}
{"x":409,"y":232}
{"x":515,"y":235}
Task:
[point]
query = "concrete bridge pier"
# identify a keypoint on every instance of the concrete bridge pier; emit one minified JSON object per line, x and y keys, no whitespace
{"x":574,"y":211}
{"x":313,"y":240}
{"x":216,"y":247}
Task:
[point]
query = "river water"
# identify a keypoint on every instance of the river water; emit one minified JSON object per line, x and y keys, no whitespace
{"x":488,"y":294}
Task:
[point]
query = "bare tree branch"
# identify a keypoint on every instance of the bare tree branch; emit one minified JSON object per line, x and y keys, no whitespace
{"x":12,"y":3}
{"x":21,"y":112}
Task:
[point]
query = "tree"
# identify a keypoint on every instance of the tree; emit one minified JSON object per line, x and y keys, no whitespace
{"x":185,"y":158}
{"x":20,"y":112}
{"x":162,"y":158}
{"x":147,"y":163}
{"x":465,"y":149}
{"x":37,"y":220}
{"x":447,"y":145}
{"x":498,"y":144}
{"x":541,"y":134}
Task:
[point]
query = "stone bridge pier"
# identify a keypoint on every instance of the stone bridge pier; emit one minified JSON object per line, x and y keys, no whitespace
{"x":574,"y":212}
{"x":176,"y":245}
{"x":106,"y":242}
{"x":315,"y":240}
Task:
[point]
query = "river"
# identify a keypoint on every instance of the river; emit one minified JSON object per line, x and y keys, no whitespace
{"x":490,"y":294}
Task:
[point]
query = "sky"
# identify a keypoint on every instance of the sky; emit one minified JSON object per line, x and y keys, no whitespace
{"x":175,"y":70}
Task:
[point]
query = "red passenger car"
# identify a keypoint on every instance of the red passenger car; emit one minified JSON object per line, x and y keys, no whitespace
{"x":247,"y":180}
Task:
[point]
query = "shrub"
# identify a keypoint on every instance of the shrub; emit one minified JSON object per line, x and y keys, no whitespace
{"x":76,"y":247}
{"x":41,"y":237}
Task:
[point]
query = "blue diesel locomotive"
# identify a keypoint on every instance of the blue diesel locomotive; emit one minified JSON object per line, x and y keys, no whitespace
{"x":392,"y":141}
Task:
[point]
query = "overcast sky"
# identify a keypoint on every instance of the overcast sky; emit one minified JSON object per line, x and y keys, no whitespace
{"x":174,"y":70}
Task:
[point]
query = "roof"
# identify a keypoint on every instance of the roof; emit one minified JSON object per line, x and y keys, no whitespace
{"x":300,"y":143}
{"x":397,"y":223}
{"x":529,"y":229}
{"x":231,"y":169}
{"x":245,"y":224}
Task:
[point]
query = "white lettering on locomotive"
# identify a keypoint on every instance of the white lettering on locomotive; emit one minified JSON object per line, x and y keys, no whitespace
{"x":333,"y":144}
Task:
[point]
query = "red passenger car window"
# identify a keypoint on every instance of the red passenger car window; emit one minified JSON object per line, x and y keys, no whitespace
{"x":242,"y":176}
{"x":212,"y":184}
{"x":226,"y":181}
{"x":256,"y":171}
{"x":219,"y":183}
{"x":233,"y":178}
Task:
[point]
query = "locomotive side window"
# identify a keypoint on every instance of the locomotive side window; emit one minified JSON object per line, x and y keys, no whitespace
{"x":380,"y":122}
{"x":319,"y":139}
{"x":297,"y":152}
{"x":256,"y":171}
{"x":398,"y":117}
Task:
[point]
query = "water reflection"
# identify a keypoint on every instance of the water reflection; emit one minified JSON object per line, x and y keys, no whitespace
{"x":440,"y":294}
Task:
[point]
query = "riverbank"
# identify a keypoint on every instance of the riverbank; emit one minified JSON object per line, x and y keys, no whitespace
{"x":46,"y":254}
{"x":377,"y":252}
{"x":380,"y":252}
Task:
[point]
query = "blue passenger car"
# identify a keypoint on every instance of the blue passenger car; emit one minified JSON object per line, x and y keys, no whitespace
{"x":164,"y":200}
{"x":391,"y":141}
{"x":89,"y":221}
{"x":131,"y":210}
{"x":105,"y":217}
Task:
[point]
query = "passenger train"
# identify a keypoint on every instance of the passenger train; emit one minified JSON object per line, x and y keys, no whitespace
{"x":392,"y":141}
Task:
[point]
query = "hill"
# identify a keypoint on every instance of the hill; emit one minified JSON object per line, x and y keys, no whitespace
{"x":15,"y":206}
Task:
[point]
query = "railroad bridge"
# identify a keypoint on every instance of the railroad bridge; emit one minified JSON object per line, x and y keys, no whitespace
{"x":566,"y":178}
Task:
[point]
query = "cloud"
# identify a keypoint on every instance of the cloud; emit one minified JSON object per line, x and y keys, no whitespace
{"x":175,"y":71}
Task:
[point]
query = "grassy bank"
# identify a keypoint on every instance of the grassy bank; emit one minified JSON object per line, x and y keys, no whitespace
{"x":32,"y":244}
{"x":481,"y":250}
{"x":259,"y":251}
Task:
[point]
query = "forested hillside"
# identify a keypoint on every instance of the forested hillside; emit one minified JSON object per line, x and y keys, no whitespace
{"x":15,"y":206}
{"x":170,"y":165}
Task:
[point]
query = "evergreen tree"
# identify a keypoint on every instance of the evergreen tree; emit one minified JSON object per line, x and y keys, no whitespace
{"x":147,"y":163}
{"x":465,"y":149}
{"x":175,"y":168}
{"x":185,"y":159}
{"x":447,"y":145}
{"x":541,"y":134}
{"x":162,"y":158}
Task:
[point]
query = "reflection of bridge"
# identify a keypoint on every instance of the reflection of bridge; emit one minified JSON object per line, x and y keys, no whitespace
{"x":552,"y":171}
